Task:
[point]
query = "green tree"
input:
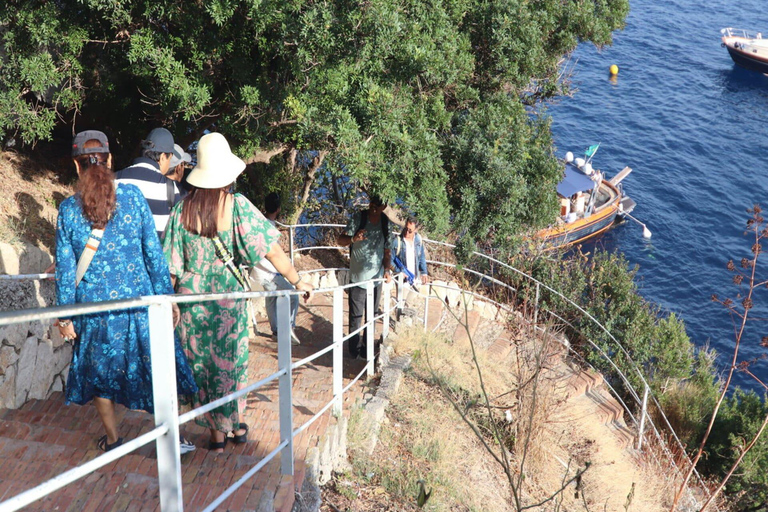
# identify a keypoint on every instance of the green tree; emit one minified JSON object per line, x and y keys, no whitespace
{"x":400,"y":96}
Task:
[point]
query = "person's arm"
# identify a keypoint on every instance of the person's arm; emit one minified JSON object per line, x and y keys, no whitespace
{"x":65,"y":271}
{"x":422,"y":259}
{"x":282,"y":264}
{"x":151,"y":249}
{"x":348,"y":236}
{"x":344,"y":240}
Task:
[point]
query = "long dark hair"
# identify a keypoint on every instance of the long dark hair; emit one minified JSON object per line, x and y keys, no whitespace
{"x":200,"y":210}
{"x":96,"y":186}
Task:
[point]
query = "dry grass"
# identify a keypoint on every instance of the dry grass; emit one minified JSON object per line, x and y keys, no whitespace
{"x":425,"y":438}
{"x":32,"y":192}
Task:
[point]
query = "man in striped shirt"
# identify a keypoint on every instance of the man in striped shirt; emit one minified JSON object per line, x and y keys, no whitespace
{"x":149,"y":171}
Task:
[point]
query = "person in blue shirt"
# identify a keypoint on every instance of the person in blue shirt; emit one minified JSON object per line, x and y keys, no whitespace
{"x":408,"y":253}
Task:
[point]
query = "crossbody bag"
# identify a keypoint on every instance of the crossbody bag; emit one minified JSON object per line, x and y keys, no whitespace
{"x":240,"y":276}
{"x":94,"y":240}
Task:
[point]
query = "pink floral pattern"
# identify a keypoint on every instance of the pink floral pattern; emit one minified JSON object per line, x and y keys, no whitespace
{"x":215,"y":334}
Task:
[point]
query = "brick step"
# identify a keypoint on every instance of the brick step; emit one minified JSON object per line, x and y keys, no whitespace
{"x":435,"y":313}
{"x":609,"y":410}
{"x":623,"y":434}
{"x":501,"y":347}
{"x":132,"y":480}
{"x":285,"y":495}
{"x":472,"y":320}
{"x":581,"y":382}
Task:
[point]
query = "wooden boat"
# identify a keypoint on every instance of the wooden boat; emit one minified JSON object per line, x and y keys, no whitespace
{"x":748,"y":50}
{"x":589,"y":204}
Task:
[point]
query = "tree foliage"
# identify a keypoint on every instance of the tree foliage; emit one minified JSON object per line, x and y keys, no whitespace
{"x":422,"y":101}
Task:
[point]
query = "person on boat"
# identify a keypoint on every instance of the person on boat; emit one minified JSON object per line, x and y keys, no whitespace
{"x":408,"y":253}
{"x":210,"y":233}
{"x":107,"y":249}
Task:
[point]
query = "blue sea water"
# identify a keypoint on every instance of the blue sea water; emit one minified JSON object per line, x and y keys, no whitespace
{"x":694,"y":127}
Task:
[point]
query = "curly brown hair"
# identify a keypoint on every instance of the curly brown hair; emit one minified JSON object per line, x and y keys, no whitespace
{"x":96,"y":186}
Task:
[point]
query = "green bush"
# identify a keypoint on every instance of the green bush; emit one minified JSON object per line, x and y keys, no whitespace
{"x":654,"y":343}
{"x":739,"y":419}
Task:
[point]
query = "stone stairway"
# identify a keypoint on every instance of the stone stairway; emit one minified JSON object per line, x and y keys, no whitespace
{"x":44,"y":438}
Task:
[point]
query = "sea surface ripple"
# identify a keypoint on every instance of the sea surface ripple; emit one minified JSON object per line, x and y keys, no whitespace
{"x":694,"y":127}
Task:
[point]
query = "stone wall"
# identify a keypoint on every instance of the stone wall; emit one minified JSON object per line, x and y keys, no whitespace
{"x":34,"y":359}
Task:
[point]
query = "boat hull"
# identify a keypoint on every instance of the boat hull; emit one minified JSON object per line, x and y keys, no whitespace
{"x":582,"y":229}
{"x":747,"y":60}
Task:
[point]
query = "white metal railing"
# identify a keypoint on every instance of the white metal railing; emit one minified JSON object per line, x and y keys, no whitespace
{"x":167,"y":420}
{"x":641,"y":400}
{"x":740,"y":32}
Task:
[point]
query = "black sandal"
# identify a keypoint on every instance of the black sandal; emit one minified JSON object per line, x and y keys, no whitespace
{"x":105,"y":446}
{"x":240,"y":438}
{"x":212,"y":445}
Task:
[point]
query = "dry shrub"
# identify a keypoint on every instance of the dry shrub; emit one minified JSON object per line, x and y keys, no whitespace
{"x":536,"y":394}
{"x":522,"y":397}
{"x":425,"y":438}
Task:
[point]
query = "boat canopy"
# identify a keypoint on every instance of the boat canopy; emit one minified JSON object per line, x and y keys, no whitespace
{"x":574,"y":181}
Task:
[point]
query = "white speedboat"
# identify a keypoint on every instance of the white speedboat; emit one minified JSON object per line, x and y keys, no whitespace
{"x":747,"y":49}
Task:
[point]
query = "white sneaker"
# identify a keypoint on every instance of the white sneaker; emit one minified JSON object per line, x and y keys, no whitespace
{"x":185,"y":445}
{"x":294,"y":339}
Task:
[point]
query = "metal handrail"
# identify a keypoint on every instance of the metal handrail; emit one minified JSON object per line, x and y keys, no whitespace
{"x":283,"y":374}
{"x":164,"y":301}
{"x":618,"y":344}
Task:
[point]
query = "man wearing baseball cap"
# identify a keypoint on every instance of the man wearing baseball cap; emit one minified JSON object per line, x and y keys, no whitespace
{"x":149,"y":173}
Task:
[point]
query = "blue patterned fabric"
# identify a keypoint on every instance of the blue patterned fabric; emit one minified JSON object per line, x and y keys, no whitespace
{"x":111,"y":356}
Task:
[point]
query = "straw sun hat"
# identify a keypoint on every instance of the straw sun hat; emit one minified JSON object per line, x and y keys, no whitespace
{"x":216,"y":166}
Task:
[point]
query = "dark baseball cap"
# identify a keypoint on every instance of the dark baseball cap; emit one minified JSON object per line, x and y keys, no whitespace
{"x":81,"y":138}
{"x":160,"y":140}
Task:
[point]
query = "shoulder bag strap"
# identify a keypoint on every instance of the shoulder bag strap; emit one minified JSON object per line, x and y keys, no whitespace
{"x":224,"y":255}
{"x":170,"y":193}
{"x":87,"y":255}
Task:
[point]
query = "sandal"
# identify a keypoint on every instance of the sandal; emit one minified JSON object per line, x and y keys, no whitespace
{"x":240,"y":438}
{"x":212,"y":445}
{"x":105,"y":446}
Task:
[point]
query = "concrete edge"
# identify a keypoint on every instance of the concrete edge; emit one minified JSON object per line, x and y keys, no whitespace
{"x":331,"y":454}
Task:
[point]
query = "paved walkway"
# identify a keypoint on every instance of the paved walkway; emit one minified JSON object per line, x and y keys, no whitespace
{"x":45,"y":438}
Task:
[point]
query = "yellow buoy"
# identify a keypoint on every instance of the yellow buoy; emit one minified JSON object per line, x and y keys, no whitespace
{"x":614,"y":69}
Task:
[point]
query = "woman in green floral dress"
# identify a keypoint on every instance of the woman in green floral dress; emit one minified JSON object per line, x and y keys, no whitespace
{"x":215,"y":334}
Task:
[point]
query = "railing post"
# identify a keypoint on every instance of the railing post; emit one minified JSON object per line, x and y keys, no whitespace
{"x":643,"y":412}
{"x":400,"y":294}
{"x":162,"y":352}
{"x":290,"y":242}
{"x":284,"y":381}
{"x":338,"y":349}
{"x":386,"y":298}
{"x":426,"y":307}
{"x":370,"y":328}
{"x":536,"y":306}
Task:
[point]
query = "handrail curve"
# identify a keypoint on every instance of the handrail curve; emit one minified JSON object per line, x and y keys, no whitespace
{"x":283,"y":373}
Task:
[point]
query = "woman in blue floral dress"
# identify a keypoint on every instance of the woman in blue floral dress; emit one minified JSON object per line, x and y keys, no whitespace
{"x":111,"y":356}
